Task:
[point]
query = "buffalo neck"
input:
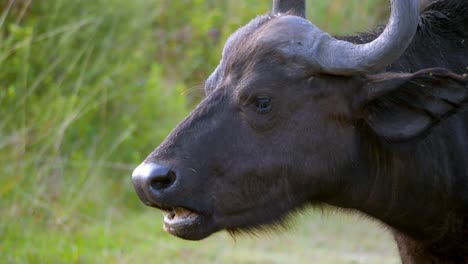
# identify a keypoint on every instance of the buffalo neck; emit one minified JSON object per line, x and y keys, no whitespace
{"x":418,"y":187}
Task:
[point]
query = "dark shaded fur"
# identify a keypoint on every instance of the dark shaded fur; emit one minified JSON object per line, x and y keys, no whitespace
{"x":441,"y":41}
{"x":417,"y":184}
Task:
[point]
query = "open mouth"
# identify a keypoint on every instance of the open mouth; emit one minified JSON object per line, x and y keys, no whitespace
{"x":187,"y":224}
{"x":180,"y":219}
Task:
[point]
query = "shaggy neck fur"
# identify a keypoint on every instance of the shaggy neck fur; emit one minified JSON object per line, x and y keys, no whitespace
{"x":420,"y":189}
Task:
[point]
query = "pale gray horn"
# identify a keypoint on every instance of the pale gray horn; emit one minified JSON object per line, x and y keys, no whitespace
{"x":292,"y":7}
{"x":333,"y":56}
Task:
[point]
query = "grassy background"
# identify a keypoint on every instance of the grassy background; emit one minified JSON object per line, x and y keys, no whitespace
{"x":88,"y":88}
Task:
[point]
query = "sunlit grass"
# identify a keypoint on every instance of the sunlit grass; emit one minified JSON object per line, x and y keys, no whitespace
{"x":114,"y":237}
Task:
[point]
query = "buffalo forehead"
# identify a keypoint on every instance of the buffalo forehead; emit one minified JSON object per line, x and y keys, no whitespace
{"x":276,"y":39}
{"x":284,"y":34}
{"x":290,"y":36}
{"x":238,"y":39}
{"x":285,"y":29}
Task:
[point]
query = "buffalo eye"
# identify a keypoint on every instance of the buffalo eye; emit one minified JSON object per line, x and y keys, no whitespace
{"x":262,"y":104}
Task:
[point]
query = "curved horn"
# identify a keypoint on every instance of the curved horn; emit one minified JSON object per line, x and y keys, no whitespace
{"x":344,"y":58}
{"x":297,"y":7}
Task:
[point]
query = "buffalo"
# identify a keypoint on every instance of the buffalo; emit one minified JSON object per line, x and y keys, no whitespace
{"x":374,"y":123}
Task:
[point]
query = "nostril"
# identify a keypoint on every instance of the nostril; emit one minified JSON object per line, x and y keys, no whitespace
{"x":163,"y":179}
{"x":150,"y":177}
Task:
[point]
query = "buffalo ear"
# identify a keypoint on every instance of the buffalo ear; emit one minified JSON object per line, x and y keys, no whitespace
{"x":403,"y":107}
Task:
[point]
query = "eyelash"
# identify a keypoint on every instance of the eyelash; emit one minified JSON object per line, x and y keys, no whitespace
{"x":262,"y":104}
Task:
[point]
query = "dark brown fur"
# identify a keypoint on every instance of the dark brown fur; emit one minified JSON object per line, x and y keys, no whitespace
{"x":392,"y":145}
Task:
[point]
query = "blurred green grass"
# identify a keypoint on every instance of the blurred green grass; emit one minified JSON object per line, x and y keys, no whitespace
{"x":88,"y":88}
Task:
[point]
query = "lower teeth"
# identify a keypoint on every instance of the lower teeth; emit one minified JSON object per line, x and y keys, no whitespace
{"x":171,"y":216}
{"x":179,"y":215}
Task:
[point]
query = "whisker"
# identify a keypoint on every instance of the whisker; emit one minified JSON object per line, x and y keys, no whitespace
{"x":197,"y":87}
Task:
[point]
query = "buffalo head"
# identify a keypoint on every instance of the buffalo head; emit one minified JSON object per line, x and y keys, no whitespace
{"x":283,"y":121}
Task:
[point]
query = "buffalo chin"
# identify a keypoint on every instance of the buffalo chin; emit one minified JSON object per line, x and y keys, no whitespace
{"x":187,"y":224}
